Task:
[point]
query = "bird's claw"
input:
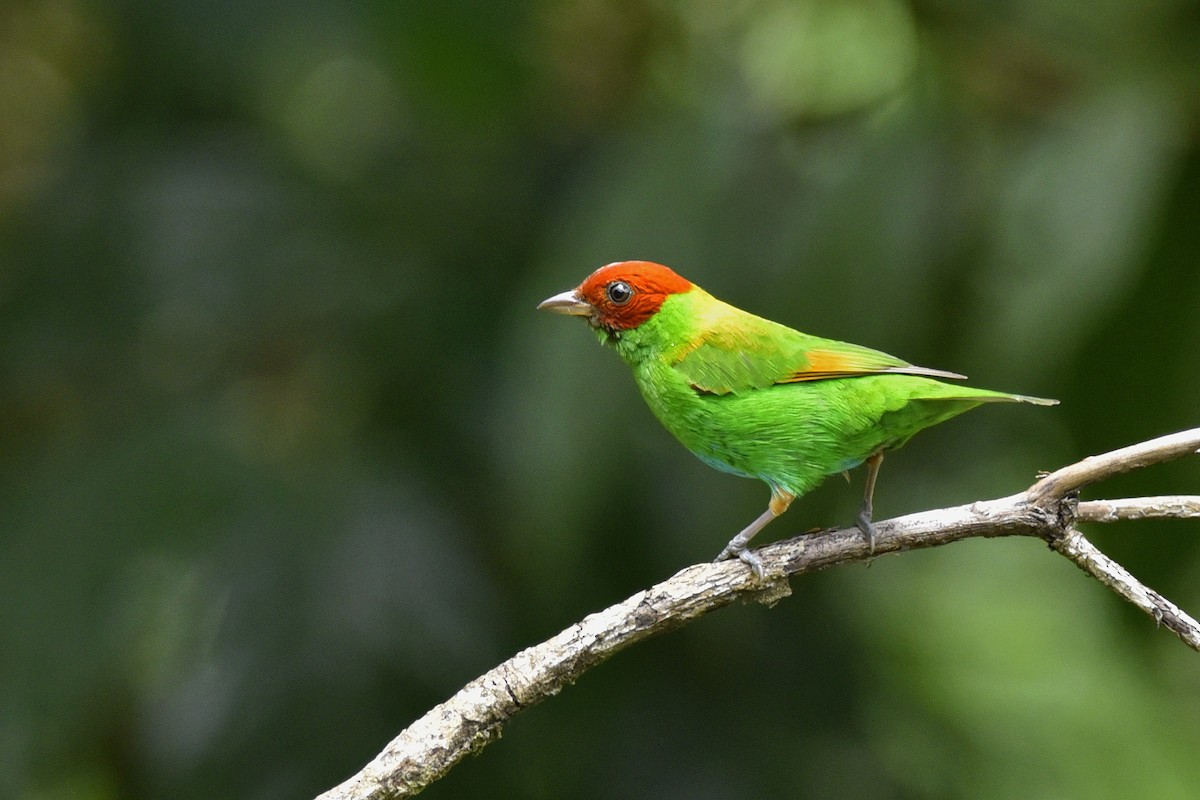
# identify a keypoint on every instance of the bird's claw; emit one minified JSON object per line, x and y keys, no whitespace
{"x":752,"y":560}
{"x":747,"y":557}
{"x":868,"y":530}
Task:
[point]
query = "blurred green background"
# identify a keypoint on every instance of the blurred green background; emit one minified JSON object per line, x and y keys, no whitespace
{"x":288,"y":456}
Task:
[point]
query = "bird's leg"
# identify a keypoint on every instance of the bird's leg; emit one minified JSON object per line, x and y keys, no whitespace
{"x":864,"y":513}
{"x":780,"y":500}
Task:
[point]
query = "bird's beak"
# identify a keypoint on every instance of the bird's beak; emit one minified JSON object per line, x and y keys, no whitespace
{"x":567,"y":303}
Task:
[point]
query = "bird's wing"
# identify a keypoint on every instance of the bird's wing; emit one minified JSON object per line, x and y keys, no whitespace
{"x":758,"y":353}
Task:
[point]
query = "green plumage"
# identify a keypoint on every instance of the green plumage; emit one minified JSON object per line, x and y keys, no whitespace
{"x":756,"y":398}
{"x":723,"y":399}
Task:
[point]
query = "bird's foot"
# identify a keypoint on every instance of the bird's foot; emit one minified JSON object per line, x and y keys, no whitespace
{"x":747,"y":557}
{"x":751,"y":559}
{"x":868,"y":530}
{"x":737,"y":545}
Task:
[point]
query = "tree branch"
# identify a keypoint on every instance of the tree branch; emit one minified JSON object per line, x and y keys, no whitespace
{"x":473,"y":717}
{"x":1178,"y":506}
{"x":1096,"y":468}
{"x":1089,"y":559}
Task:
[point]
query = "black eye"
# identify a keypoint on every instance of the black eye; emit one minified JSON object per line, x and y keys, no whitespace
{"x":618,"y":292}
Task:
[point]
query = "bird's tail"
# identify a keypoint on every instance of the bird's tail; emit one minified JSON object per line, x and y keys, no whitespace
{"x":990,"y":396}
{"x":1037,"y":401}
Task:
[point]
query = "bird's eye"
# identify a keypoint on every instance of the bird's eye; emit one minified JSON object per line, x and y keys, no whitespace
{"x":619,"y":292}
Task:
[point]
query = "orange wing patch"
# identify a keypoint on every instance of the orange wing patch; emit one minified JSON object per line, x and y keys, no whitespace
{"x":826,"y":364}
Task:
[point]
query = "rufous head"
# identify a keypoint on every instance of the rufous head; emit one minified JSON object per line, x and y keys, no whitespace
{"x":619,"y":296}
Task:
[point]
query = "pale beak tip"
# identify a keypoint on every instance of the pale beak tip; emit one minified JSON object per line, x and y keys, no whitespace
{"x":566,"y":303}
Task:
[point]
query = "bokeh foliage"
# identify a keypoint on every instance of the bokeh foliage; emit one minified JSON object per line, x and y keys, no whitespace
{"x":288,"y":457}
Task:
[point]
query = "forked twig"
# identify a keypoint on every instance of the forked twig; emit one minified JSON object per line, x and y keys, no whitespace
{"x":473,"y":717}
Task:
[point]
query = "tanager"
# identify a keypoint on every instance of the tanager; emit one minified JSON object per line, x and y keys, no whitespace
{"x":755,"y":398}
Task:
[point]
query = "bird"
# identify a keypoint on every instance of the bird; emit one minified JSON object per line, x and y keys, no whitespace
{"x":757,"y":399}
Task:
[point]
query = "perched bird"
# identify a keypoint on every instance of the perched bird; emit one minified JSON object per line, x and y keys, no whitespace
{"x":755,"y":398}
